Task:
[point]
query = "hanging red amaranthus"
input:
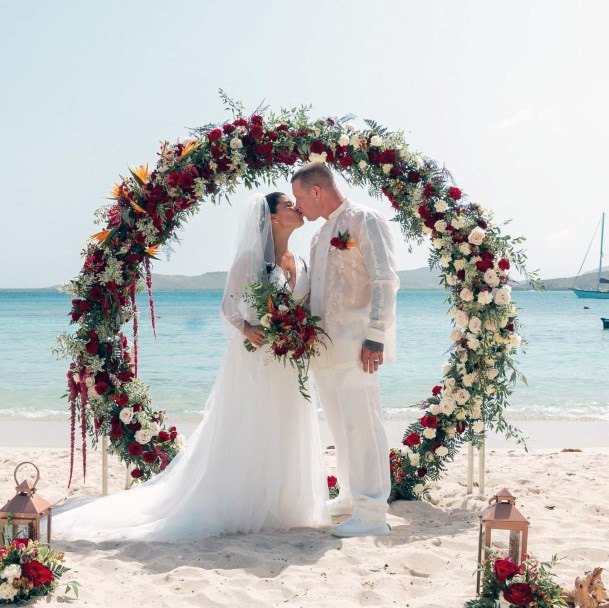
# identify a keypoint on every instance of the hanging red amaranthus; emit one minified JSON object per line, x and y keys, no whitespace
{"x":133,"y":295}
{"x":73,"y":390}
{"x":83,"y":422}
{"x":149,"y":286}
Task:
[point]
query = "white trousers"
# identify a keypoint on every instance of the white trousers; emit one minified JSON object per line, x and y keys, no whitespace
{"x":351,"y":402}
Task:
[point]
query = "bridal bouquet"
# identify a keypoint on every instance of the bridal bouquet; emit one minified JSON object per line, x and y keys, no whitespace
{"x":289,"y":328}
{"x":29,"y":570}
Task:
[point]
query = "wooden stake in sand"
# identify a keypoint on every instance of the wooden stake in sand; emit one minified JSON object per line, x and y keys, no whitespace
{"x":481,"y":469}
{"x":104,"y":465}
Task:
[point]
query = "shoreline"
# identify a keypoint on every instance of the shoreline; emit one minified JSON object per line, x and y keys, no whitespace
{"x":542,"y":434}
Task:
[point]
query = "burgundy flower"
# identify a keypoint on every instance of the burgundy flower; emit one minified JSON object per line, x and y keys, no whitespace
{"x":429,"y":189}
{"x":505,"y":568}
{"x":461,"y":426}
{"x":504,"y":264}
{"x":346,"y":161}
{"x":163,"y":436}
{"x":120,"y":399}
{"x":38,"y":573}
{"x":429,"y":421}
{"x":228,"y":128}
{"x":135,"y":449}
{"x":214,"y":135}
{"x":317,"y":146}
{"x":256,"y":119}
{"x":412,"y":439}
{"x":374,"y":157}
{"x":256,"y":131}
{"x":519,"y":594}
{"x":332,"y":481}
{"x":116,"y":431}
{"x":413,"y":177}
{"x":388,"y":157}
{"x":136,"y":473}
{"x":436,"y":390}
{"x":454,"y":193}
{"x":422,"y":472}
{"x":149,"y":457}
{"x":101,"y":388}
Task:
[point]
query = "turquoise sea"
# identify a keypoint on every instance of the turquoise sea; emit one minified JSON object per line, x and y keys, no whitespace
{"x":566,"y":360}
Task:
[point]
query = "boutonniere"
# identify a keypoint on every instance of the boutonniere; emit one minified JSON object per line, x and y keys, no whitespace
{"x":342,"y":241}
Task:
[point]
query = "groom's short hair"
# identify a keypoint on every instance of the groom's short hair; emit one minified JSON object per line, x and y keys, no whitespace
{"x":314,"y":174}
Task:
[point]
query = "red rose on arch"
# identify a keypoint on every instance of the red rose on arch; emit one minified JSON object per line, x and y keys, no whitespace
{"x":503,"y":264}
{"x":429,"y":189}
{"x":101,"y":388}
{"x":137,"y":473}
{"x":346,"y":161}
{"x":461,"y":426}
{"x":256,"y":131}
{"x":116,"y":431}
{"x":149,"y":457}
{"x":163,"y":436}
{"x":317,"y":146}
{"x":120,"y":399}
{"x":214,"y":135}
{"x":519,"y":594}
{"x":256,"y":119}
{"x":422,"y":472}
{"x":412,"y":439}
{"x":429,"y":421}
{"x":388,"y":157}
{"x":332,"y":481}
{"x":454,"y":193}
{"x":436,"y":390}
{"x":135,"y":449}
{"x":505,"y":568}
{"x":228,"y":128}
{"x":38,"y":573}
{"x":413,"y":177}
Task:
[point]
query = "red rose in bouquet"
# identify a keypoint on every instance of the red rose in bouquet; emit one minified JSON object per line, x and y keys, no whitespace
{"x":503,"y":264}
{"x":38,"y":573}
{"x":137,"y":473}
{"x":20,"y":543}
{"x":149,"y":457}
{"x":412,"y":439}
{"x":346,"y":161}
{"x":428,"y":190}
{"x":505,"y":568}
{"x":519,"y":594}
{"x":163,"y":436}
{"x":332,"y":481}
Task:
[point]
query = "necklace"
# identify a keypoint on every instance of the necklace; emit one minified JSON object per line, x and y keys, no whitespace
{"x":286,"y":271}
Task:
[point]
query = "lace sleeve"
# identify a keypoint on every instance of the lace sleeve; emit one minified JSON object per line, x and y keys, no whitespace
{"x":234,"y":308}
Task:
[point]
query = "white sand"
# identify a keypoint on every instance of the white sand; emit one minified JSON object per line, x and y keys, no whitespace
{"x":428,"y":561}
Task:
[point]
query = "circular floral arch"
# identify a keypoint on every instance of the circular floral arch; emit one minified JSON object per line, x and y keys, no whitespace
{"x":474,"y":257}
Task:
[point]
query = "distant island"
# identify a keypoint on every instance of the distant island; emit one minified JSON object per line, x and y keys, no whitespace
{"x":419,"y":279}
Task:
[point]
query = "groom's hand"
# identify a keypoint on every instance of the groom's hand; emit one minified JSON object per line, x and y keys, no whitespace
{"x":371,"y":356}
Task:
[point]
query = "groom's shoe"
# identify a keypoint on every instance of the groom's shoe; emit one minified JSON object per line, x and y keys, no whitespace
{"x":340,"y":506}
{"x":357,"y":527}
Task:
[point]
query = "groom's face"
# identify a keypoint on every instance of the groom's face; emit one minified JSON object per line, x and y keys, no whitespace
{"x":307,"y":200}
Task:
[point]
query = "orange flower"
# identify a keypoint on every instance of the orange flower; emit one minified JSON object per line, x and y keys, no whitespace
{"x":116,"y":190}
{"x":101,"y":236}
{"x":270,"y":305}
{"x":189,"y":146}
{"x":140,"y":173}
{"x":137,"y":207}
{"x":153,"y":250}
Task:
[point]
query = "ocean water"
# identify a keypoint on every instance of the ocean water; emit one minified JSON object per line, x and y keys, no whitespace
{"x":566,"y":360}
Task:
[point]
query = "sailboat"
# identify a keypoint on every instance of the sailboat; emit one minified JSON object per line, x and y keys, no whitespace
{"x":597,"y":293}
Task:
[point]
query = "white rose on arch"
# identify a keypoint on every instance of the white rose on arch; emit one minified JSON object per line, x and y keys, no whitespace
{"x":460,"y":264}
{"x":441,"y":206}
{"x":475,"y":325}
{"x":466,"y":294}
{"x":143,"y":436}
{"x":126,"y":415}
{"x":469,"y":379}
{"x":458,"y":222}
{"x":476,"y":236}
{"x":450,"y":383}
{"x":464,"y":248}
{"x":485,"y":297}
{"x":447,"y":405}
{"x":461,"y":318}
{"x":462,"y":396}
{"x":491,"y":278}
{"x":440,"y":226}
{"x":343,"y":140}
{"x":376,"y":141}
{"x":429,"y":433}
{"x":451,"y":279}
{"x":442,"y":451}
{"x":491,"y":373}
{"x":446,"y":368}
{"x":478,"y":426}
{"x":502,"y":297}
{"x":456,"y":335}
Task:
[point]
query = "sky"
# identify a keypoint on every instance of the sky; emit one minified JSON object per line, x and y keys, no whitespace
{"x":511,"y":97}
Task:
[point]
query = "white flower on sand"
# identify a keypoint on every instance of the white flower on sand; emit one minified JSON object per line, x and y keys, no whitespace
{"x":475,"y":325}
{"x":376,"y":141}
{"x":469,"y":379}
{"x":441,"y":206}
{"x":440,"y":226}
{"x":478,"y":426}
{"x":447,"y":405}
{"x":362,"y":164}
{"x":236,"y":143}
{"x":318,"y":158}
{"x":458,"y":222}
{"x":429,"y":433}
{"x":464,"y":248}
{"x":418,"y":489}
{"x":466,"y":294}
{"x":460,"y":264}
{"x":442,"y":451}
{"x":355,"y":141}
{"x":490,"y":325}
{"x":265,"y":320}
{"x":387,"y":168}
{"x":461,"y":318}
{"x":143,"y":436}
{"x":462,"y":396}
{"x":8,"y":592}
{"x":485,"y":297}
{"x":445,"y":261}
{"x":126,"y":415}
{"x":476,"y":236}
{"x":11,"y":572}
{"x":343,"y":140}
{"x":491,"y":278}
{"x":456,"y":335}
{"x":491,"y":373}
{"x":446,"y":368}
{"x":502,"y":297}
{"x":451,"y":280}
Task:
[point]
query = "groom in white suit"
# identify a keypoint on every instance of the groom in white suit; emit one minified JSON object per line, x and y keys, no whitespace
{"x":353,"y":290}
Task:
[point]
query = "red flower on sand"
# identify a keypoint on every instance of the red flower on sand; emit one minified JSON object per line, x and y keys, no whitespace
{"x":38,"y":573}
{"x":21,"y":543}
{"x":519,"y":594}
{"x":505,"y":568}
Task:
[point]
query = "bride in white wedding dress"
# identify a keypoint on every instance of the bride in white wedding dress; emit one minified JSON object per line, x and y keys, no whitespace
{"x":254,"y":461}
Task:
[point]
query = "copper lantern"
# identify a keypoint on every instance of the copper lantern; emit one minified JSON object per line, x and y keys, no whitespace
{"x":21,"y":517}
{"x":502,"y":514}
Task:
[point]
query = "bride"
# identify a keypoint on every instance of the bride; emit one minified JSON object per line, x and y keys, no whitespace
{"x":254,"y":461}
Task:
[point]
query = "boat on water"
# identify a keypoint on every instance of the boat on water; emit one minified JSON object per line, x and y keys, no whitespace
{"x":599,"y":293}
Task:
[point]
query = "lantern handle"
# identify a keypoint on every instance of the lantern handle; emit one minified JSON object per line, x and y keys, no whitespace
{"x":20,"y":465}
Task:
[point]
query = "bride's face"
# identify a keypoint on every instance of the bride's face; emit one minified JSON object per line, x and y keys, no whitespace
{"x":286,"y":214}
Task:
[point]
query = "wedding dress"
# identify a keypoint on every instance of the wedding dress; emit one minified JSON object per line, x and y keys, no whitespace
{"x":254,"y":461}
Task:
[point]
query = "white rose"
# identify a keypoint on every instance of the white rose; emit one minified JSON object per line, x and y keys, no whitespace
{"x":475,"y":325}
{"x":447,"y":405}
{"x":502,"y":297}
{"x":429,"y":433}
{"x":318,"y":158}
{"x":466,"y":294}
{"x":461,"y":318}
{"x":475,"y":411}
{"x":236,"y":143}
{"x":458,"y":222}
{"x":154,"y":428}
{"x":418,"y":489}
{"x":426,"y":230}
{"x":463,"y":355}
{"x":451,"y":431}
{"x":89,"y":381}
{"x":460,"y":264}
{"x":11,"y":572}
{"x":8,"y":592}
{"x":469,"y":379}
{"x":460,"y":415}
{"x":92,"y":393}
{"x":435,"y":409}
{"x":476,"y":236}
{"x":387,"y":168}
{"x":490,"y":325}
{"x":362,"y":164}
{"x":456,"y":335}
{"x":180,"y":440}
{"x":515,"y":340}
{"x":504,"y":321}
{"x":437,"y":243}
{"x":478,"y":426}
{"x":490,"y":389}
{"x":485,"y":297}
{"x":126,"y":415}
{"x":283,"y":308}
{"x":376,"y":141}
{"x":491,"y":373}
{"x":265,"y":320}
{"x":350,"y":126}
{"x":441,"y":206}
{"x":445,"y":261}
{"x":343,"y":140}
{"x":442,"y":451}
{"x":418,"y":160}
{"x":462,"y":396}
{"x":473,"y":343}
{"x":464,"y":248}
{"x":450,"y":383}
{"x":414,"y":459}
{"x":491,"y":278}
{"x":446,"y":368}
{"x":451,"y":279}
{"x":355,"y":141}
{"x":143,"y":436}
{"x":76,"y":378}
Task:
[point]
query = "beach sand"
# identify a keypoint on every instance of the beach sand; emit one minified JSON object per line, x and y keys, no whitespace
{"x":428,"y":561}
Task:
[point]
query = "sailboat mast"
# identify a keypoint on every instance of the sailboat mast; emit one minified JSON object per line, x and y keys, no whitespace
{"x":600,"y":261}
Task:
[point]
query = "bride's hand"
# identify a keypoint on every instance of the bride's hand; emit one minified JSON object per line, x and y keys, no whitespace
{"x":254,"y":334}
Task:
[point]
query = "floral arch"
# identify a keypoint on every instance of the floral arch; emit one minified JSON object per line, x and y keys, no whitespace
{"x":104,"y":391}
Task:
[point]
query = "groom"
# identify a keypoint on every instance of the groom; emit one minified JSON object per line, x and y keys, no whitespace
{"x":353,"y":290}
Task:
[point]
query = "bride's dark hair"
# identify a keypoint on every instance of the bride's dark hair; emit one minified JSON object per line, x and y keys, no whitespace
{"x":272,"y":199}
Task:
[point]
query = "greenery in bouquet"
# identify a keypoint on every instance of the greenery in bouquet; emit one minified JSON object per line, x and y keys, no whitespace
{"x":290,"y":330}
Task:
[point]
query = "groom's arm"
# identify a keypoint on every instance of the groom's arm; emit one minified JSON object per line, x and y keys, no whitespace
{"x":376,"y":245}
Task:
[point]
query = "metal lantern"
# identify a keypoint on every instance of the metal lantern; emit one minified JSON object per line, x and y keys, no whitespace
{"x":502,"y":514}
{"x":21,"y":516}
